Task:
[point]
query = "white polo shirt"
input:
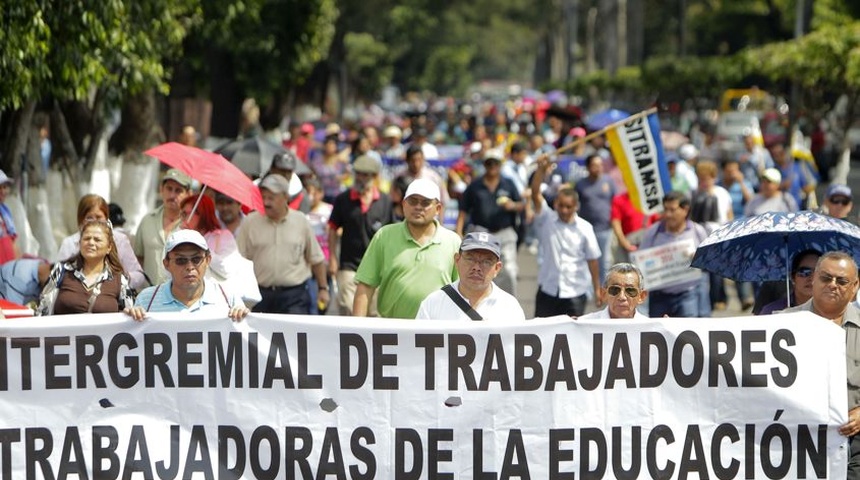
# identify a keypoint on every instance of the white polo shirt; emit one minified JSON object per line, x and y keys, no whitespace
{"x":498,"y":306}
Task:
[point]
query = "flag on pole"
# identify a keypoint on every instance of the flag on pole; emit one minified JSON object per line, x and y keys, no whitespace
{"x":638,"y":151}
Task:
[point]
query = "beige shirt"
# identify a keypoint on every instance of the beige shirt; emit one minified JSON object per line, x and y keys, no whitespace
{"x":283,"y":252}
{"x":851,"y":325}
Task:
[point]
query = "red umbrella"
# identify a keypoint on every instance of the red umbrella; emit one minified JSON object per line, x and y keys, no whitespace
{"x":211,"y":170}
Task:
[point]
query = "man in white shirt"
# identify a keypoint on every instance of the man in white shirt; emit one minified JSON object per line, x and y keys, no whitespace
{"x":569,"y":252}
{"x":622,"y":291}
{"x":474,"y":296}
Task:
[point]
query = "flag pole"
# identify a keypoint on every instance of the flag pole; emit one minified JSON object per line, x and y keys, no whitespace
{"x":580,"y":141}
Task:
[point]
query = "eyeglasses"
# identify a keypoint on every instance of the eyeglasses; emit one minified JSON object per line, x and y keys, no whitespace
{"x":485,"y":263}
{"x":841,"y":282}
{"x":804,"y":272}
{"x":183,"y":261}
{"x":840,"y":201}
{"x":414,"y":202}
{"x":615,"y":290}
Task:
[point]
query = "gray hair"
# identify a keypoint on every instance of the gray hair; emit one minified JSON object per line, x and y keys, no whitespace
{"x":837,"y":255}
{"x":624,"y":269}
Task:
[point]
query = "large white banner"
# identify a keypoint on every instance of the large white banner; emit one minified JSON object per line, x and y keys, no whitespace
{"x":290,"y":397}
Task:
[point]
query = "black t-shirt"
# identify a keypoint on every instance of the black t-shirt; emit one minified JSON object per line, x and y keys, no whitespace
{"x":358,"y":227}
{"x":483,"y":207}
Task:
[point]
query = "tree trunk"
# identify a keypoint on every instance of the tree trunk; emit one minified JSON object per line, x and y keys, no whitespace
{"x":16,"y":139}
{"x":225,"y":94}
{"x":138,"y":131}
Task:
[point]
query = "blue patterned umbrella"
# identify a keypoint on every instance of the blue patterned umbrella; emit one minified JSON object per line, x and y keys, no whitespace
{"x":760,"y":248}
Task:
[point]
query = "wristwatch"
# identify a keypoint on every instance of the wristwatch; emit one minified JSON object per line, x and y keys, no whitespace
{"x":324,"y":287}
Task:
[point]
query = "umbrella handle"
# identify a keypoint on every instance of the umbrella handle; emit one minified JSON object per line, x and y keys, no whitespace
{"x":197,"y":202}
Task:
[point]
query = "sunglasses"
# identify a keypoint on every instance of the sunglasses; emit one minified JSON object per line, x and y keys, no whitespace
{"x":183,"y":261}
{"x":804,"y":272}
{"x":414,"y":202}
{"x":615,"y":290}
{"x":840,"y":281}
{"x":840,"y":201}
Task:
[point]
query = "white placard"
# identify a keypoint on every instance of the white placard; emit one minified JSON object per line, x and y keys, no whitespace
{"x":667,"y":265}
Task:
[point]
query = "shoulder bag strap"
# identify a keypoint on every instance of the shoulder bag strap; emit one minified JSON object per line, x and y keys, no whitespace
{"x":460,"y":302}
{"x":153,"y":296}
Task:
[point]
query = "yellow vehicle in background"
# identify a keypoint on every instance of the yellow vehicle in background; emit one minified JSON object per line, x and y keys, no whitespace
{"x":746,"y":100}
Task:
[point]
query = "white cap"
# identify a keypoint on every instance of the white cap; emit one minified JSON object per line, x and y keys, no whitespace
{"x":425,"y":188}
{"x":688,"y":151}
{"x":179,"y":237}
{"x":4,"y":179}
{"x":772,"y":175}
{"x":392,"y":131}
{"x":476,"y":147}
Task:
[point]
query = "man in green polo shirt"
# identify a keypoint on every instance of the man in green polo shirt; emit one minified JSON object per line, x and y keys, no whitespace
{"x":408,"y":260}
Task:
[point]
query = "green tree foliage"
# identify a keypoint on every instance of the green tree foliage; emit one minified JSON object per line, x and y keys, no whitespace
{"x":273,"y":44}
{"x":68,"y":49}
{"x":369,"y":66}
{"x":26,"y":38}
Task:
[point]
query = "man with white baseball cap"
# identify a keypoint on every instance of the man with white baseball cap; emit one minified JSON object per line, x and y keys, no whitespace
{"x":770,"y":198}
{"x":408,"y":260}
{"x":474,"y":296}
{"x":186,"y":258}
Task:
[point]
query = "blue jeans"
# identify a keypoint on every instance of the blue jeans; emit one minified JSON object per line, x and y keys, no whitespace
{"x":294,"y":299}
{"x":684,"y":304}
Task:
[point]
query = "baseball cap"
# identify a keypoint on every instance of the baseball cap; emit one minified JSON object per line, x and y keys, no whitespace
{"x":177,"y":176}
{"x":837,"y":190}
{"x":425,"y":188}
{"x":307,"y":128}
{"x":180,"y":237}
{"x":365,"y":164}
{"x":332,"y":129}
{"x":392,"y":131}
{"x":476,"y":147}
{"x":276,"y":184}
{"x":772,"y":175}
{"x":4,"y":179}
{"x":688,"y":152}
{"x":577,"y":132}
{"x":481,"y":241}
{"x":494,"y":154}
{"x":284,"y":161}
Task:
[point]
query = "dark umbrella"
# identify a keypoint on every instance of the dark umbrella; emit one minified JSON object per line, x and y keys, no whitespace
{"x":254,"y":155}
{"x":760,"y":248}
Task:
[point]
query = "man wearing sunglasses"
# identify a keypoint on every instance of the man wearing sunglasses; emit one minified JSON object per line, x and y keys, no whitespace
{"x":834,"y":286}
{"x":838,"y":202}
{"x":622,"y":291}
{"x":186,"y":259}
{"x":474,"y":296}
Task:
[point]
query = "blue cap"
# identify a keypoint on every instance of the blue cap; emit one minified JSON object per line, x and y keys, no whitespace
{"x":837,"y":190}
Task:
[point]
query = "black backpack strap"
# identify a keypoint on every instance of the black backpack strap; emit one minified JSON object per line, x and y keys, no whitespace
{"x":462,"y":303}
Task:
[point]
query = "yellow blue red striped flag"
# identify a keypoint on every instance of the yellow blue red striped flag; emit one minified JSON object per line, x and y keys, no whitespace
{"x":638,"y":151}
